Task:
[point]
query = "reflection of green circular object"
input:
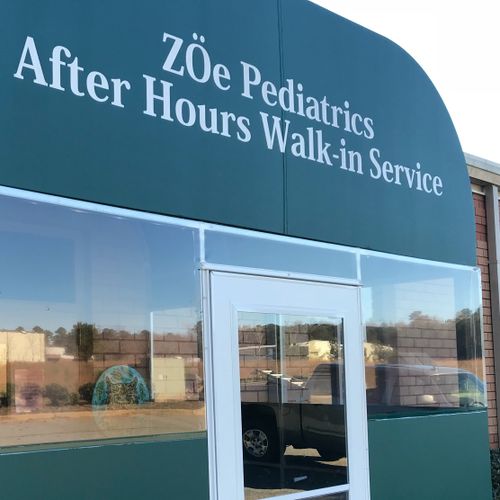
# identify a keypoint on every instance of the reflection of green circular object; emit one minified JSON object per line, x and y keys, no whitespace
{"x":119,"y":385}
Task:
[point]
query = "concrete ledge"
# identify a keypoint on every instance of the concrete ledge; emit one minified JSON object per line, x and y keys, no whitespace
{"x":483,"y":171}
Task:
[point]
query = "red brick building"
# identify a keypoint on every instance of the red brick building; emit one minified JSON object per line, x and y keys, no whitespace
{"x":485,"y":179}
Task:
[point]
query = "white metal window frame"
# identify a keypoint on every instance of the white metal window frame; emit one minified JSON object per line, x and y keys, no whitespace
{"x":205,"y":226}
{"x":205,"y":266}
{"x":349,"y":310}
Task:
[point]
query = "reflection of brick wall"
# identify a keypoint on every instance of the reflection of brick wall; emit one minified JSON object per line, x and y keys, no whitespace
{"x":414,"y":388}
{"x":424,"y":342}
{"x":121,"y":348}
{"x":124,"y":348}
{"x":255,"y":356}
{"x":432,"y":339}
{"x":260,"y":362}
{"x":482,"y":262}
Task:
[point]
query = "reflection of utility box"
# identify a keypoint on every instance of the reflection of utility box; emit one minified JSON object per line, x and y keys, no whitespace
{"x":319,"y":349}
{"x":169,"y":379}
{"x":3,"y":369}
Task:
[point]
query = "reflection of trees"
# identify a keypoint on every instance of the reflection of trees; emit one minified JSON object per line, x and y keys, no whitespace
{"x":67,"y":374}
{"x":84,"y":336}
{"x":79,"y":341}
{"x":198,"y":331}
{"x":382,"y":340}
{"x":38,"y":329}
{"x":62,"y":338}
{"x":466,"y":324}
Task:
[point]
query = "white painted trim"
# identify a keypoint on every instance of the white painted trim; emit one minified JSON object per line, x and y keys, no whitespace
{"x":357,"y":384}
{"x":278,"y":274}
{"x":202,"y":245}
{"x":230,"y":292}
{"x":482,"y":163}
{"x":477,"y":189}
{"x":358,"y":266}
{"x":209,"y":382}
{"x":313,"y":494}
{"x":152,"y":354}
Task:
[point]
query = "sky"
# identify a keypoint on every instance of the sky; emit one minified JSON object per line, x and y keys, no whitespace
{"x":458,"y":46}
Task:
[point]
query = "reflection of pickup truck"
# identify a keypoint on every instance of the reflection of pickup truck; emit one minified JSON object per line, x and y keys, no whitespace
{"x":310,"y":414}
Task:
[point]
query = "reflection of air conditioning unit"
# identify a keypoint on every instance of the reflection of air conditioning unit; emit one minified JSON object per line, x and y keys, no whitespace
{"x":169,"y":379}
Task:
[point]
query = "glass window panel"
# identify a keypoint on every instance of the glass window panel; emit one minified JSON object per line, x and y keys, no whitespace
{"x":292,"y":393}
{"x":261,"y":253}
{"x":99,"y":326}
{"x":423,"y":350}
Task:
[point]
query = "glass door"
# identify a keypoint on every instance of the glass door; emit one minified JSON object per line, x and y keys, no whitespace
{"x":288,"y":388}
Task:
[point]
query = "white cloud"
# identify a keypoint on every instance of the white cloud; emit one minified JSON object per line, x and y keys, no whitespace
{"x":458,"y":45}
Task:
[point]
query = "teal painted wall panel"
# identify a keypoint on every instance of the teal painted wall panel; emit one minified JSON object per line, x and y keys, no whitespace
{"x":433,"y":458}
{"x":58,"y":143}
{"x":335,"y":58}
{"x":55,"y":142}
{"x":170,"y":469}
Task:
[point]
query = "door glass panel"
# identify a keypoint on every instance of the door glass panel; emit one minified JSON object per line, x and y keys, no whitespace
{"x":292,"y":403}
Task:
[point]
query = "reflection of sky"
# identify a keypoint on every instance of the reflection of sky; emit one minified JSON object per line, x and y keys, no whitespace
{"x":59,"y":266}
{"x":176,"y":321}
{"x":393,"y":289}
{"x":36,"y":267}
{"x":262,"y":253}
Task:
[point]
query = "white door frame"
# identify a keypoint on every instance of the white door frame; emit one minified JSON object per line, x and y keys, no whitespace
{"x":357,"y":433}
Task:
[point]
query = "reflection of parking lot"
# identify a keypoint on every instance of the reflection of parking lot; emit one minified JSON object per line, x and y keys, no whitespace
{"x":299,"y":470}
{"x":62,"y":425}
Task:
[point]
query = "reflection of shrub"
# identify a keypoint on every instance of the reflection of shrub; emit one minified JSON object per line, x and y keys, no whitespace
{"x":57,"y":394}
{"x":86,"y":391}
{"x":336,"y":350}
{"x":74,"y":399}
{"x":495,"y":472}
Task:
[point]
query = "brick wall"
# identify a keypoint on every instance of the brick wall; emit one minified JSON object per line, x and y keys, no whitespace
{"x":482,"y":262}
